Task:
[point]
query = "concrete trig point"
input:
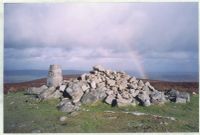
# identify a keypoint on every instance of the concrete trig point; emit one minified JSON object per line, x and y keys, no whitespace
{"x":55,"y":77}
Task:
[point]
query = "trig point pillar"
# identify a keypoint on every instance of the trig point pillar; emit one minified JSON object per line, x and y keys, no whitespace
{"x":55,"y":77}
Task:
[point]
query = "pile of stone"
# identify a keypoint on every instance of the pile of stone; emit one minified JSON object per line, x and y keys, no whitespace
{"x":112,"y":87}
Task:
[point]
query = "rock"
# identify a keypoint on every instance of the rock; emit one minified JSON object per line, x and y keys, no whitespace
{"x":85,"y":87}
{"x":149,"y":86}
{"x":157,"y":97}
{"x":101,"y":85}
{"x":55,"y":77}
{"x":144,"y":98}
{"x":194,"y":93}
{"x":110,"y":99}
{"x":93,"y":96}
{"x":110,"y":82}
{"x":62,"y":87}
{"x":109,"y":92}
{"x":125,"y":95}
{"x":90,"y":97}
{"x":132,"y":86}
{"x":181,"y":100}
{"x":178,"y":97}
{"x":36,"y":90}
{"x":66,"y":106}
{"x":46,"y":94}
{"x":84,"y":77}
{"x":65,"y":82}
{"x":134,"y":93}
{"x":132,"y":79}
{"x":184,"y":96}
{"x":93,"y":85}
{"x":57,"y":94}
{"x":123,"y":102}
{"x":62,"y":118}
{"x":101,"y":93}
{"x":140,"y":84}
{"x":75,"y":91}
{"x":98,"y":68}
{"x":122,"y":86}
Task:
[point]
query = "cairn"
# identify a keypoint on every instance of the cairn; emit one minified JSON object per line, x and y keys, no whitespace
{"x":112,"y":87}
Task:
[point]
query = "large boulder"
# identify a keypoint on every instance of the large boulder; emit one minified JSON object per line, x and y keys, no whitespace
{"x":93,"y":96}
{"x":157,"y":97}
{"x":36,"y":90}
{"x":67,"y":106}
{"x":110,"y":99}
{"x":98,"y":68}
{"x":122,"y":101}
{"x":75,"y":91}
{"x":47,"y":93}
{"x":144,"y":98}
{"x":178,"y":97}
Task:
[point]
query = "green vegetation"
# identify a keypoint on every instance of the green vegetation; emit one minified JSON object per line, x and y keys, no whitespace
{"x":25,"y":114}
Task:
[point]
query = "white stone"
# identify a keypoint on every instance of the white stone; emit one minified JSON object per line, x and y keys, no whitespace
{"x":62,"y":88}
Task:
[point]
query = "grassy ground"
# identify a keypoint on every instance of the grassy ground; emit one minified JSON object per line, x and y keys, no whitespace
{"x":22,"y":113}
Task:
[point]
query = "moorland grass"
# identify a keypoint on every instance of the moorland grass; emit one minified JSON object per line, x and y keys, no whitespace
{"x":24,"y":114}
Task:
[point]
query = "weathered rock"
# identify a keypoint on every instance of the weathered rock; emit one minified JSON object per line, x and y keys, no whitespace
{"x":123,"y":102}
{"x":158,"y":97}
{"x":110,"y":99}
{"x":125,"y":95}
{"x":183,"y":97}
{"x":110,"y":82}
{"x":55,"y":77}
{"x":85,"y":87}
{"x":144,"y":98}
{"x":98,"y":68}
{"x":134,"y":93}
{"x":89,"y":97}
{"x":62,"y":87}
{"x":101,"y":85}
{"x":57,"y":94}
{"x":140,"y":84}
{"x":93,"y":85}
{"x":36,"y":90}
{"x":132,"y":79}
{"x":149,"y":86}
{"x":194,"y":93}
{"x":178,"y":97}
{"x":62,"y":118}
{"x":181,"y":100}
{"x":84,"y":77}
{"x":132,"y":86}
{"x":66,"y":106}
{"x":75,"y":91}
{"x":46,"y":94}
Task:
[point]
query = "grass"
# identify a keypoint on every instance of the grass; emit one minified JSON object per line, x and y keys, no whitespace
{"x":24,"y":114}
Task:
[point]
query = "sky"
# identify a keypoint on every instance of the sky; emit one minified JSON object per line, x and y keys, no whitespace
{"x":143,"y":37}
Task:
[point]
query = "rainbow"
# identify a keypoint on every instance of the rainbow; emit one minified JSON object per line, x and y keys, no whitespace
{"x":137,"y":59}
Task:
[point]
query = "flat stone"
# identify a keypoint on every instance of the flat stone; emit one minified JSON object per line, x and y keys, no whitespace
{"x":62,"y":87}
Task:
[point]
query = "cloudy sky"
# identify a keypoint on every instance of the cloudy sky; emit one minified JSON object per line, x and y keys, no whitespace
{"x":142,"y":37}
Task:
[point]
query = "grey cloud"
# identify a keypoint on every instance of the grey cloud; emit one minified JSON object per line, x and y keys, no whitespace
{"x":106,"y":33}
